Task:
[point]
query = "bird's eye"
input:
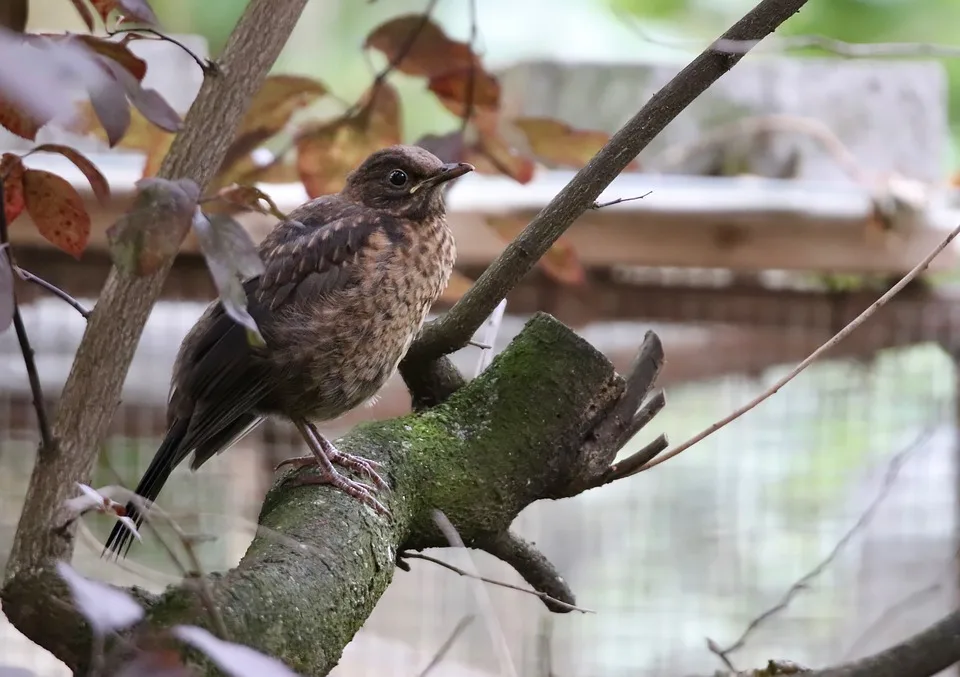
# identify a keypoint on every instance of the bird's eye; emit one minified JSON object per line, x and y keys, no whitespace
{"x":398,"y":177}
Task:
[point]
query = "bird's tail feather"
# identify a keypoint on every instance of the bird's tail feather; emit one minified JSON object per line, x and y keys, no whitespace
{"x":167,"y":458}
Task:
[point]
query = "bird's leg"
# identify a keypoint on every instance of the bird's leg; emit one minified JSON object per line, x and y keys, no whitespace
{"x":321,"y":450}
{"x":358,"y":464}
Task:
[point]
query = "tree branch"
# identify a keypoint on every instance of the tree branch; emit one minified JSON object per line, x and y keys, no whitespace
{"x":511,"y":436}
{"x":93,"y":387}
{"x":452,"y":331}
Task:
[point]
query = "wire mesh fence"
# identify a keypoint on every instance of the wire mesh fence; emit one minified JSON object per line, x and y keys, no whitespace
{"x":819,"y":527}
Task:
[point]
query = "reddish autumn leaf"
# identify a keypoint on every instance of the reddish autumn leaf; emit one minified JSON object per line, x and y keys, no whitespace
{"x":116,"y":51}
{"x":492,"y":155}
{"x":132,"y":10}
{"x":57,"y":210}
{"x":19,"y":121}
{"x":98,"y":182}
{"x":325,"y":155}
{"x":448,"y":147}
{"x":250,"y":198}
{"x":459,"y":92}
{"x":11,"y":172}
{"x":84,"y":13}
{"x":457,"y":287}
{"x":277,"y":100}
{"x":557,"y":144}
{"x":148,"y":101}
{"x":40,"y":82}
{"x":149,"y":234}
{"x":416,"y":46}
{"x":560,"y":263}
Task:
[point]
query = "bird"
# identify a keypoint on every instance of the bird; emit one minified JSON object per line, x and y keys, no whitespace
{"x":347,"y":282}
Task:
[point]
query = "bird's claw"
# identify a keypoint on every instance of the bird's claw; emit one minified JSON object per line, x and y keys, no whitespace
{"x":357,"y":490}
{"x":359,"y":465}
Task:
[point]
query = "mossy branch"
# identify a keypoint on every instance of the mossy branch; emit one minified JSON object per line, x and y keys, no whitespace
{"x":514,"y":435}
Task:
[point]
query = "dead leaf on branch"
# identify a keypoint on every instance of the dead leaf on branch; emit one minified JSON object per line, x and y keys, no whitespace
{"x":560,"y":263}
{"x":117,"y":51}
{"x":489,"y":155}
{"x":11,"y":171}
{"x":57,"y":210}
{"x":231,"y":258}
{"x":415,"y":45}
{"x":150,"y":233}
{"x":557,"y":144}
{"x":31,"y":97}
{"x":249,"y":198}
{"x":461,"y":92}
{"x":138,"y":11}
{"x":98,"y":182}
{"x":328,"y":153}
{"x":274,"y":104}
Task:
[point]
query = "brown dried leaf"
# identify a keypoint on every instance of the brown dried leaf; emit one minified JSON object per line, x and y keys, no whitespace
{"x":132,"y":10}
{"x":250,"y":198}
{"x":277,"y":100}
{"x":150,"y":233}
{"x":416,"y":46}
{"x":448,"y":147}
{"x":560,"y":263}
{"x":18,"y":121}
{"x":492,"y":155}
{"x":98,"y":182}
{"x":557,"y":144}
{"x":453,"y":90}
{"x":148,"y":101}
{"x":11,"y":171}
{"x":325,"y":155}
{"x":57,"y":210}
{"x":112,"y":110}
{"x":117,"y":52}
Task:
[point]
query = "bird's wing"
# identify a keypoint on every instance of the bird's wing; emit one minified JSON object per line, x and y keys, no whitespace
{"x":308,"y":256}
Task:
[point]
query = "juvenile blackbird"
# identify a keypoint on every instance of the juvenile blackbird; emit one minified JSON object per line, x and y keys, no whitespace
{"x":348,"y":281}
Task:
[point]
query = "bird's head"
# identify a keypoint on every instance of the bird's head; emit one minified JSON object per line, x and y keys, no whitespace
{"x":406,"y":181}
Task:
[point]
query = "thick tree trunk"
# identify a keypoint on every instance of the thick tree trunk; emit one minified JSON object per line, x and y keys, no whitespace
{"x":510,"y":437}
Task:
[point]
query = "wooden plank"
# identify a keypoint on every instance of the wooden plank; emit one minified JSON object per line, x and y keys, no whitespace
{"x":735,"y":223}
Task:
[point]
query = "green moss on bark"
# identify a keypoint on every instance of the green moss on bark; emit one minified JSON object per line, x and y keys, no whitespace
{"x":498,"y":444}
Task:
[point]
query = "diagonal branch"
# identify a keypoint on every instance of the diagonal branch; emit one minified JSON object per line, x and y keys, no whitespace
{"x":452,"y":331}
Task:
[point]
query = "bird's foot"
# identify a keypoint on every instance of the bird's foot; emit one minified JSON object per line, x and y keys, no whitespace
{"x":362,"y":466}
{"x":357,"y":490}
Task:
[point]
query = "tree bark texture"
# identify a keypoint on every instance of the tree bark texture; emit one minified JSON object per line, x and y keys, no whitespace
{"x":510,"y":437}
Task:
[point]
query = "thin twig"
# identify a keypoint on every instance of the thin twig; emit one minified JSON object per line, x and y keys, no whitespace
{"x":39,"y":404}
{"x":536,"y":593}
{"x":774,"y":43}
{"x":458,"y":629}
{"x":814,"y":356}
{"x":27,"y":276}
{"x":619,"y":200}
{"x":482,"y":596}
{"x":890,"y":477}
{"x":208,"y":66}
{"x":451,"y":331}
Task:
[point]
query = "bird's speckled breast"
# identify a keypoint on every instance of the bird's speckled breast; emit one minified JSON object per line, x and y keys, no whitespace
{"x":358,"y":339}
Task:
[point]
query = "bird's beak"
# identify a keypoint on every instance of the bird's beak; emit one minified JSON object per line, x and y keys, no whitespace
{"x":447,"y":172}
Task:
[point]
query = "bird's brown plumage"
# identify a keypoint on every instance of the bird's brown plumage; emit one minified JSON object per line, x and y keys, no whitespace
{"x":348,"y":281}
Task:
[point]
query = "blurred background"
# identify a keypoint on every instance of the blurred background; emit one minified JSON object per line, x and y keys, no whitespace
{"x":834,"y":503}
